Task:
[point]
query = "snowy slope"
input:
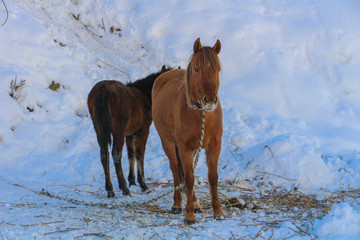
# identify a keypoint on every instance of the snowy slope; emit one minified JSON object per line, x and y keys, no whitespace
{"x":289,"y":90}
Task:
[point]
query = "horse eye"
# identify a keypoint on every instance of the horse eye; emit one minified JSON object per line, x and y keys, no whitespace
{"x":196,"y":70}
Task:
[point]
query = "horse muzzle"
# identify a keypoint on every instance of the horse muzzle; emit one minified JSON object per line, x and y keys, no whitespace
{"x":208,"y":104}
{"x":209,"y":107}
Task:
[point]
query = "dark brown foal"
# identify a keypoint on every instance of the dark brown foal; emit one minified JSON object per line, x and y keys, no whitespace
{"x":122,"y":111}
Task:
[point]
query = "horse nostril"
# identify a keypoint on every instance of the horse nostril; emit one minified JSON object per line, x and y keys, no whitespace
{"x":216,"y":99}
{"x":205,"y":99}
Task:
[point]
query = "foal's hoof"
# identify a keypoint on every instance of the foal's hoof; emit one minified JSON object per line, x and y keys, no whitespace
{"x":126,"y":192}
{"x":176,"y":210}
{"x":110,"y":194}
{"x":145,"y":189}
{"x":189,"y":222}
{"x":198,"y":210}
{"x":132,"y":184}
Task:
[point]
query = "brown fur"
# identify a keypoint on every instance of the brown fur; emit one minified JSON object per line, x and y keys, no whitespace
{"x":121,"y":111}
{"x":179,"y":125}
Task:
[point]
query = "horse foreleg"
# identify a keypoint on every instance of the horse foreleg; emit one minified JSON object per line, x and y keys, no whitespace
{"x":104,"y":156}
{"x":117,"y":154}
{"x":212,"y":158}
{"x":130,"y":144}
{"x":140,"y":145}
{"x":186,"y":157}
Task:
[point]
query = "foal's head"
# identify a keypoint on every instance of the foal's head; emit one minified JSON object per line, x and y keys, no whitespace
{"x":202,"y":80}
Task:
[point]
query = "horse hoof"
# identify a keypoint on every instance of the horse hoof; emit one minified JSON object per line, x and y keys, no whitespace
{"x":145,"y":189}
{"x":189,"y":222}
{"x":126,"y":192}
{"x":175,"y":210}
{"x":110,"y":194}
{"x":198,"y":210}
{"x":132,"y":184}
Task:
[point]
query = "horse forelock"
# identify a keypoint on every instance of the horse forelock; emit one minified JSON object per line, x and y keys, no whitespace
{"x":205,"y":60}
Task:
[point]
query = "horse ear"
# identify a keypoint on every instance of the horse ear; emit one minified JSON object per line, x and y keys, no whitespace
{"x":197,"y":45}
{"x":217,"y":46}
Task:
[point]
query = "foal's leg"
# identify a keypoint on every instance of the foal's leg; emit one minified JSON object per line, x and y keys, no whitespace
{"x":104,"y":156}
{"x":117,"y":154}
{"x":169,"y":149}
{"x":140,"y":145}
{"x":212,"y":158}
{"x":130,"y":144}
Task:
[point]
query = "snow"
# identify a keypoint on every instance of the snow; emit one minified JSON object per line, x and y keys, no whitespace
{"x":289,"y":90}
{"x":341,"y":222}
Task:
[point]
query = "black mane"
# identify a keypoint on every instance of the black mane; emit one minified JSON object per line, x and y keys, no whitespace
{"x":145,"y":85}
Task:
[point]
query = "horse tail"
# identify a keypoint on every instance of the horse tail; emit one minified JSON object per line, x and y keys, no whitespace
{"x":102,"y":117}
{"x":181,"y":172}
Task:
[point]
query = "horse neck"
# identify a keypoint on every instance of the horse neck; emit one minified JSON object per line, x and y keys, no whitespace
{"x":145,"y":91}
{"x":145,"y":86}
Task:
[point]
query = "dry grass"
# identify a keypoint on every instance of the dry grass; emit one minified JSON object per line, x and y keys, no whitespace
{"x":265,"y":211}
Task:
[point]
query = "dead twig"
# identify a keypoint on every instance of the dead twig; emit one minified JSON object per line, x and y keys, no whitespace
{"x":111,"y":66}
{"x":100,"y":235}
{"x":40,"y":224}
{"x":218,"y":236}
{"x":7,"y":13}
{"x":2,"y":235}
{"x":272,"y":154}
{"x":63,"y":231}
{"x":272,"y":174}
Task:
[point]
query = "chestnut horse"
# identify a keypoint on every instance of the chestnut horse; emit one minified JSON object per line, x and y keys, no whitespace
{"x":122,"y":111}
{"x":179,"y":97}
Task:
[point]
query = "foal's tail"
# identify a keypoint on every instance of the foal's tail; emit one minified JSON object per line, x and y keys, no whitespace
{"x":102,"y":117}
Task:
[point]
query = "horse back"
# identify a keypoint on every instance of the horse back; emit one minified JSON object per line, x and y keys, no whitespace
{"x":126,"y":105}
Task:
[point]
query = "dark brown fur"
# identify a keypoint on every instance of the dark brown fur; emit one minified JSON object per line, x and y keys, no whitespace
{"x":122,"y":111}
{"x":176,"y":95}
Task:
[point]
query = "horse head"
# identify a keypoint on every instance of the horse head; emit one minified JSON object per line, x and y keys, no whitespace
{"x":202,"y":83}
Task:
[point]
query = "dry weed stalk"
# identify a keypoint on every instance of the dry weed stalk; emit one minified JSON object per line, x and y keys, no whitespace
{"x":14,"y":87}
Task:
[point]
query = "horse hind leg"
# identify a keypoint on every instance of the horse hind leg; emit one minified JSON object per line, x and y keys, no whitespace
{"x":140,"y":144}
{"x":177,"y":168}
{"x":117,"y":155}
{"x":130,"y":144}
{"x":104,"y":156}
{"x":212,"y":158}
{"x":197,"y":206}
{"x":170,"y":151}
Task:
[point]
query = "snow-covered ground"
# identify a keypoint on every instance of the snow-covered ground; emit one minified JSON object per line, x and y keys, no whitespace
{"x":290,"y":93}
